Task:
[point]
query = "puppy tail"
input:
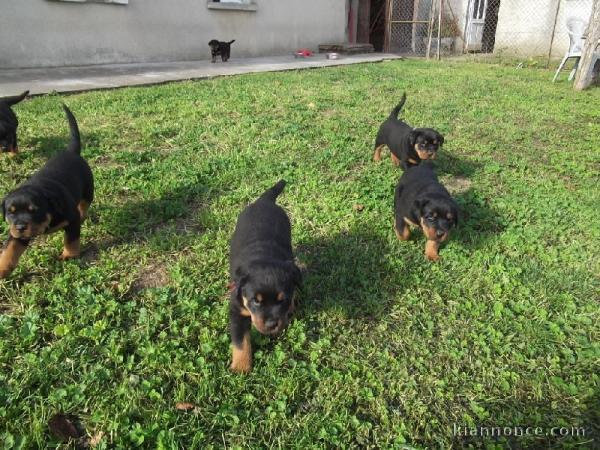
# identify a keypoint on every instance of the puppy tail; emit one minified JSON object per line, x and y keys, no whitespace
{"x":396,"y":110}
{"x":16,"y":99}
{"x":272,"y":193}
{"x":75,"y":144}
{"x":231,"y":42}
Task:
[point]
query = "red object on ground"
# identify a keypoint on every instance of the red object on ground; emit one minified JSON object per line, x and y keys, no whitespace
{"x":303,"y":52}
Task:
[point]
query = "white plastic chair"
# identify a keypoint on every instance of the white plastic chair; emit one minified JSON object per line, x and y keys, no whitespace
{"x":575,"y":30}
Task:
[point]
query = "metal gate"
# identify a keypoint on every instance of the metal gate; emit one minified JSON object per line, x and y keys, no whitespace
{"x":407,"y":26}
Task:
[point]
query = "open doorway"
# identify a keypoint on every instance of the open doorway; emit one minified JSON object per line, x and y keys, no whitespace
{"x":370,"y":27}
{"x":482,"y":20}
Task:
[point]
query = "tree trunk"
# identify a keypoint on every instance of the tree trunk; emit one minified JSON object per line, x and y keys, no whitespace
{"x":584,"y":75}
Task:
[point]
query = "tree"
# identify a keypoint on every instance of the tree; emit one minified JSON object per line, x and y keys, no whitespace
{"x":584,"y":75}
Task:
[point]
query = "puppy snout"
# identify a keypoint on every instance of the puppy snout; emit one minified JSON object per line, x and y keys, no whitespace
{"x":20,"y":227}
{"x":271,"y":324}
{"x":440,"y":233}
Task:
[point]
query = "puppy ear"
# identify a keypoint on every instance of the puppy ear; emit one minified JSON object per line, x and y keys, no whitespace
{"x":412,"y":137}
{"x":420,"y":203}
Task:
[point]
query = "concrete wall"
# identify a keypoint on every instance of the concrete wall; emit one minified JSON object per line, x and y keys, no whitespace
{"x":43,"y":33}
{"x":525,"y":27}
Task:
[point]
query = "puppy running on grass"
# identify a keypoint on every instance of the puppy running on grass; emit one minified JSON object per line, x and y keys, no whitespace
{"x":264,"y":275}
{"x":56,"y":197}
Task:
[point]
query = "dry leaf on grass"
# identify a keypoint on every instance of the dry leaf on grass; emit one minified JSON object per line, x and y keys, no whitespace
{"x":184,"y":406}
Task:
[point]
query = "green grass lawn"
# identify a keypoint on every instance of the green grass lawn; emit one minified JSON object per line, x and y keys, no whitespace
{"x":386,"y":350}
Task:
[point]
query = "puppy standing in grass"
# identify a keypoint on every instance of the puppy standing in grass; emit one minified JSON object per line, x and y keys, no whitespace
{"x":421,"y":201}
{"x":9,"y":124}
{"x":56,"y":197}
{"x":408,"y":146}
{"x":264,"y":275}
{"x":220,"y":48}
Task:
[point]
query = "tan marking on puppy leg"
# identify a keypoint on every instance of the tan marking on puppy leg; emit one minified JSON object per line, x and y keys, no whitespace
{"x":71,"y":250}
{"x":412,"y":161}
{"x":395,"y":160}
{"x":83,"y":207}
{"x":9,"y":258}
{"x":377,"y":153}
{"x":403,"y":234}
{"x":431,"y":250}
{"x":241,"y":360}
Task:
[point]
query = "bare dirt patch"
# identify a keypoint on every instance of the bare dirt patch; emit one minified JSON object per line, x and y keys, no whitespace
{"x":151,"y":277}
{"x":456,"y":184}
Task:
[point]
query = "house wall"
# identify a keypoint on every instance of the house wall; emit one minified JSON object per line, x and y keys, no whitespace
{"x":42,"y":33}
{"x":525,"y":27}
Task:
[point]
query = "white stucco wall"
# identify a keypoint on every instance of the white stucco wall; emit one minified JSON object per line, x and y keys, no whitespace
{"x":42,"y":33}
{"x":525,"y":26}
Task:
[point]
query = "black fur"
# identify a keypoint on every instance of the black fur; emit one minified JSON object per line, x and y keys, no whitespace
{"x":422,"y":200}
{"x":401,"y":139}
{"x":9,"y":123}
{"x":220,"y":48}
{"x":51,"y":198}
{"x":262,"y":268}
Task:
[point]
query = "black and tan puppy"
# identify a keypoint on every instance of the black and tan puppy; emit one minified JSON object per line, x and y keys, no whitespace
{"x":220,"y":48}
{"x":264,"y":275}
{"x":408,"y":146}
{"x":421,"y":201}
{"x":9,"y":124}
{"x":54,"y":198}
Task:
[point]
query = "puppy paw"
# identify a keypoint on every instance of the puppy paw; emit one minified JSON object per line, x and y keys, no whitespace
{"x":5,"y":273}
{"x":432,"y":257}
{"x":65,"y":255}
{"x":239,"y":366}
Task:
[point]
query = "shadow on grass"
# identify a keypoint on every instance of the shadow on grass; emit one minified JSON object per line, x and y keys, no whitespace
{"x":136,"y":221}
{"x":458,"y":167}
{"x":478,"y":222}
{"x":346,"y":272}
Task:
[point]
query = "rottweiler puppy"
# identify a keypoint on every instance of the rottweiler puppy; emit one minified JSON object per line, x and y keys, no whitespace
{"x":263,"y":273}
{"x":220,"y":48}
{"x":408,"y":146}
{"x":421,"y":201}
{"x":54,"y":198}
{"x":9,"y":124}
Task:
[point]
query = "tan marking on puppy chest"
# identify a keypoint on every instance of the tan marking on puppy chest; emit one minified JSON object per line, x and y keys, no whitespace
{"x":241,"y":360}
{"x":244,"y":312}
{"x":410,"y":222}
{"x":9,"y":258}
{"x":55,"y":228}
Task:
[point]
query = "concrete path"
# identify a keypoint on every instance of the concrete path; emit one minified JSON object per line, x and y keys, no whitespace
{"x":84,"y":78}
